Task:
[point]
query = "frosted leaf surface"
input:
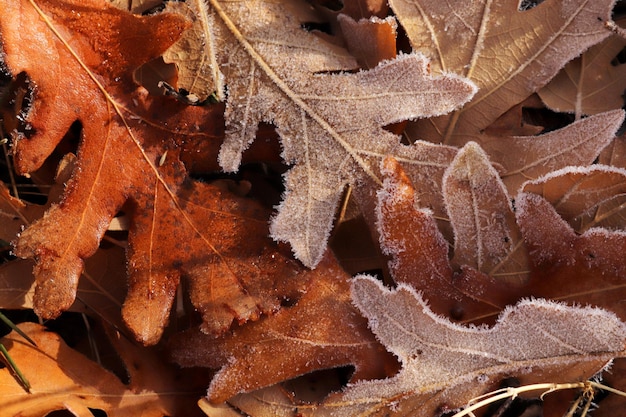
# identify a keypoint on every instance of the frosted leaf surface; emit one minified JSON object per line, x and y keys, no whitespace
{"x":486,"y":236}
{"x":330,"y":125}
{"x":469,"y":38}
{"x":529,"y":157}
{"x":447,"y":364}
{"x":585,"y":197}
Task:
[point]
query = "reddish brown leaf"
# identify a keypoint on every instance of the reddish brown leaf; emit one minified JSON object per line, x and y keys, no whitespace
{"x":321,"y":330}
{"x":587,"y":268}
{"x":131,"y":150}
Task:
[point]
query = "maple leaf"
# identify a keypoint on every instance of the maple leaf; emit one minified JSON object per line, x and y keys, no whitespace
{"x":445,"y":365}
{"x":330,"y":125}
{"x":62,"y":378}
{"x":321,"y":330}
{"x":131,"y":150}
{"x":469,"y":40}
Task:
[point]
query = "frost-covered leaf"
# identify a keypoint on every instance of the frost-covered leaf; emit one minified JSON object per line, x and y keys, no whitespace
{"x":587,"y":267}
{"x":486,"y":236}
{"x":590,"y":84}
{"x":330,"y":125}
{"x":524,"y":158}
{"x":585,"y":197}
{"x":445,"y":365}
{"x":419,"y":255}
{"x":469,"y":39}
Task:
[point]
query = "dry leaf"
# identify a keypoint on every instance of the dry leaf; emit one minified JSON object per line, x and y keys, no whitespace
{"x":508,"y":53}
{"x":527,"y":158}
{"x":277,"y":73}
{"x":194,"y":54}
{"x":585,"y":197}
{"x":62,"y":378}
{"x":445,"y":365}
{"x":486,"y":236}
{"x":179,"y":227}
{"x":419,"y":252}
{"x":321,"y":330}
{"x":591,"y":83}
{"x":587,"y":268}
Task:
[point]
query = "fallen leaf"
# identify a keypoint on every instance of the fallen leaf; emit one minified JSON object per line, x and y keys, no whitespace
{"x":63,"y":379}
{"x":587,"y":268}
{"x":445,"y":365}
{"x":419,"y":255}
{"x":314,"y":110}
{"x":526,"y":158}
{"x":194,"y":54}
{"x":218,"y":244}
{"x":320,"y":330}
{"x":585,"y":197}
{"x":468,"y":39}
{"x":590,"y":84}
{"x":486,"y":236}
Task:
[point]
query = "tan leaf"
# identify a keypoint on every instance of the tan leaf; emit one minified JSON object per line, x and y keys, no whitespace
{"x":585,"y":197}
{"x":591,"y":83}
{"x":314,"y":111}
{"x":445,"y":365}
{"x":370,"y":41}
{"x":528,"y":157}
{"x":61,"y":378}
{"x":486,"y":236}
{"x":470,"y":39}
{"x":194,"y":53}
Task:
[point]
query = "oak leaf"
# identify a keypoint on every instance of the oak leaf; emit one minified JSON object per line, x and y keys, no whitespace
{"x":585,"y":268}
{"x":63,"y":379}
{"x":445,"y":365}
{"x":330,"y":125}
{"x":590,"y":84}
{"x":469,"y":39}
{"x":321,"y":330}
{"x":132,"y":147}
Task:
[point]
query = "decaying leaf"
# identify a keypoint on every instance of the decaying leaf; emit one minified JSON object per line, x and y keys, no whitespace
{"x":590,"y":84}
{"x":313,"y":110}
{"x":585,"y":197}
{"x":219,"y":244}
{"x":470,"y":40}
{"x":321,"y":330}
{"x":486,"y":236}
{"x":63,"y":379}
{"x":445,"y":365}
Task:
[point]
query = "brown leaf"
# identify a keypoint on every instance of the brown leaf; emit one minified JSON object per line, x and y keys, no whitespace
{"x":445,"y":365}
{"x":179,"y":227}
{"x":486,"y":236}
{"x":587,"y":268}
{"x":591,"y":83}
{"x":585,"y":197}
{"x":527,"y":158}
{"x":321,"y":330}
{"x":62,"y":378}
{"x":419,"y":252}
{"x":370,"y":41}
{"x":316,"y":110}
{"x":469,"y":39}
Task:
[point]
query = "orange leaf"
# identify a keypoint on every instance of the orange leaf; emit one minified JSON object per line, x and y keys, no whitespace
{"x":321,"y":330}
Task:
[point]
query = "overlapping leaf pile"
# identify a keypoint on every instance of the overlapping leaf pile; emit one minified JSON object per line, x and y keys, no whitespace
{"x":476,"y":205}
